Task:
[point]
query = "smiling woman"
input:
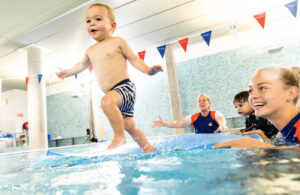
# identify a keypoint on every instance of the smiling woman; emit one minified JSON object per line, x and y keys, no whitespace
{"x":274,"y":92}
{"x":205,"y":121}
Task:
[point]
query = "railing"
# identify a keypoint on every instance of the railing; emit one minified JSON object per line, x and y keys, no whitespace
{"x":57,"y":142}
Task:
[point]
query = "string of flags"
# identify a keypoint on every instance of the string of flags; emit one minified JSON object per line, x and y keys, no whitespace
{"x":40,"y":76}
{"x":260,"y":18}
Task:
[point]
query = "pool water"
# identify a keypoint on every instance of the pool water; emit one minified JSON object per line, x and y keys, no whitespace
{"x":201,"y":171}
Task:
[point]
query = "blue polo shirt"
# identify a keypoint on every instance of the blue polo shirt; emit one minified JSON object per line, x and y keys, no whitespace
{"x":291,"y":132}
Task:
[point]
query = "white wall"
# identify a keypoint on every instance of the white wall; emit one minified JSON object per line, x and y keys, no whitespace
{"x":20,"y":109}
{"x":13,"y":110}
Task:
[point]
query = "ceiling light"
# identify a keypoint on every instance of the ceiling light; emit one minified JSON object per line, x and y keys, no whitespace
{"x":275,"y":50}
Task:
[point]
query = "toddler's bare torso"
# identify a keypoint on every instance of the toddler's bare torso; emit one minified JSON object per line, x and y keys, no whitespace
{"x":109,"y":64}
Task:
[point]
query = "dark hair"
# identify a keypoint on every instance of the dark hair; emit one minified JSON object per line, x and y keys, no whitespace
{"x":241,"y":97}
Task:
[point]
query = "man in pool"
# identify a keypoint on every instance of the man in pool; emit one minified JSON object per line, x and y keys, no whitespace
{"x":109,"y":57}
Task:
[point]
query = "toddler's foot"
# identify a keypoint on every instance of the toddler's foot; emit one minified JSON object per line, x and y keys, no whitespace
{"x":148,"y":148}
{"x":116,"y":142}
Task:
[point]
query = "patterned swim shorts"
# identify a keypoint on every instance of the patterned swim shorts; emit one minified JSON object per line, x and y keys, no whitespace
{"x":127,"y":91}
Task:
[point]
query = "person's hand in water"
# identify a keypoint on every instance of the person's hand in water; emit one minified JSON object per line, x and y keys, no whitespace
{"x":222,"y":128}
{"x":243,"y":143}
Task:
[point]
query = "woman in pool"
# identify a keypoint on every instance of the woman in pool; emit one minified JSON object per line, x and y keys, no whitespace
{"x":205,"y":121}
{"x":274,"y":92}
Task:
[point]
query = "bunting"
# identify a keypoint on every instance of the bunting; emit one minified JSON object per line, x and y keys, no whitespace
{"x":206,"y":36}
{"x":261,"y":19}
{"x":26,"y":80}
{"x":40,"y":77}
{"x":162,"y":50}
{"x":293,"y":7}
{"x":142,"y":54}
{"x":184,"y":43}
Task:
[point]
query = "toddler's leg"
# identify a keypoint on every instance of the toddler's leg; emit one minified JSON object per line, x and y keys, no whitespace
{"x":137,"y":135}
{"x":110,"y":105}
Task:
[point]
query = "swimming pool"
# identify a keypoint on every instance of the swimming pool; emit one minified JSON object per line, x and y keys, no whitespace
{"x":200,"y":171}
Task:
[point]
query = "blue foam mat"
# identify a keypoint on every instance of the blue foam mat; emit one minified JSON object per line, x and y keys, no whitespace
{"x":165,"y":144}
{"x":187,"y":142}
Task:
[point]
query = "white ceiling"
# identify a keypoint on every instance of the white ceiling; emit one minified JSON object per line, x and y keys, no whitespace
{"x":58,"y":26}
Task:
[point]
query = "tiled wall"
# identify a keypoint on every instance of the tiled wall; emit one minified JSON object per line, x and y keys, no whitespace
{"x":67,"y":116}
{"x":224,"y":74}
{"x":220,"y":75}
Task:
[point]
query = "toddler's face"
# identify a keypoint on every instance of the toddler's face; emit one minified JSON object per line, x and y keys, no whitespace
{"x":243,"y":108}
{"x":98,"y":23}
{"x":267,"y":94}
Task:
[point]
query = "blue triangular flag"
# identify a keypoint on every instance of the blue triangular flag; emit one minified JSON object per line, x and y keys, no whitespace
{"x":206,"y":36}
{"x":40,"y":77}
{"x":162,"y":50}
{"x":75,"y":76}
{"x":292,"y":6}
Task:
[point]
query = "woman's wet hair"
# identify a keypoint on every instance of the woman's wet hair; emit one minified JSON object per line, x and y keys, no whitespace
{"x":290,"y":76}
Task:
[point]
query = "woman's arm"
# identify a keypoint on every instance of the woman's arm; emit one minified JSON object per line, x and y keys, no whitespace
{"x":171,"y":124}
{"x":222,"y":122}
{"x":244,"y":143}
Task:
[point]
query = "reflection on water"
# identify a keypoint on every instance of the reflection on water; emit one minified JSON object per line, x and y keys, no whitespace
{"x":221,"y":171}
{"x":271,"y":171}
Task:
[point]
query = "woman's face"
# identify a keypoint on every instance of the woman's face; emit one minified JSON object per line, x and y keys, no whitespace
{"x":267,"y":94}
{"x":203,"y":103}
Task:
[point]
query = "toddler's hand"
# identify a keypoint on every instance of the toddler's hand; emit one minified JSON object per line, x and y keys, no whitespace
{"x":155,"y":69}
{"x":62,"y":74}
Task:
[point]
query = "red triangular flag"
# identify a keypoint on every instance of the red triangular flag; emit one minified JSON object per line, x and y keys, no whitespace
{"x":183,"y":43}
{"x":26,"y":80}
{"x":142,"y":54}
{"x":91,"y":68}
{"x":261,"y":18}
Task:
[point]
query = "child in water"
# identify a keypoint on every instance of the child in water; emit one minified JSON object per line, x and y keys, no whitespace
{"x":253,"y":124}
{"x":109,"y":57}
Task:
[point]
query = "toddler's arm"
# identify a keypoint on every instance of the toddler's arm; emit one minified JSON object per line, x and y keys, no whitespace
{"x":80,"y":66}
{"x":137,"y":62}
{"x":259,"y":132}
